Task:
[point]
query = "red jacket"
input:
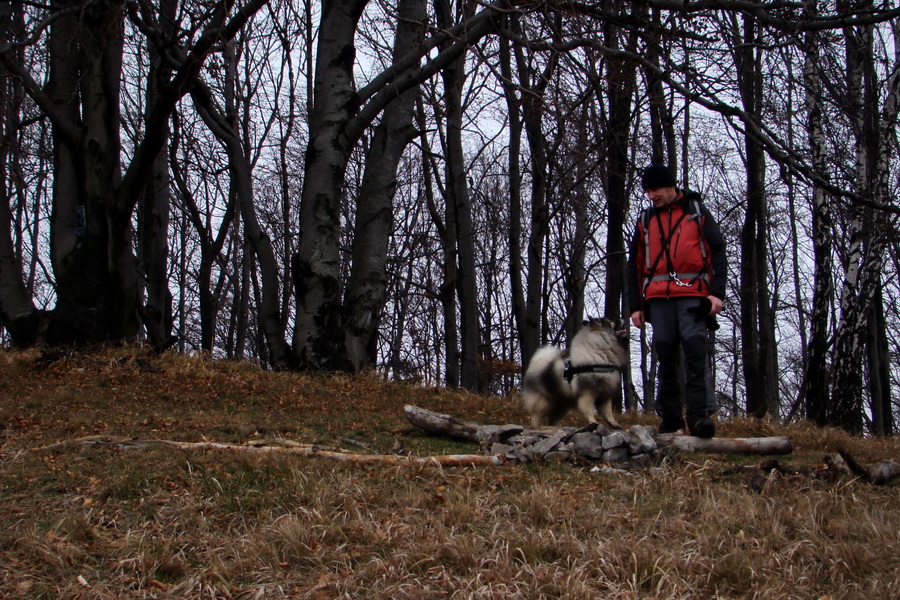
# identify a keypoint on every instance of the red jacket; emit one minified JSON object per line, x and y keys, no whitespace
{"x":674,"y":252}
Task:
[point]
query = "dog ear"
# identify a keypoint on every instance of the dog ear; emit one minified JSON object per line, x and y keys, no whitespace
{"x":615,"y":322}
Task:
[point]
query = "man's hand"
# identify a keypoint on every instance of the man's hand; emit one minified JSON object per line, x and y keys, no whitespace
{"x":715,"y":305}
{"x":637,"y":317}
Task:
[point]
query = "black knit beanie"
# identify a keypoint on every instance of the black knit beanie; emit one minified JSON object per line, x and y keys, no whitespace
{"x":657,"y":176}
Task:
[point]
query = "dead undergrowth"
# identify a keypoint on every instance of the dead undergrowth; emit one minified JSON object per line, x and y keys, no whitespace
{"x":103,"y":522}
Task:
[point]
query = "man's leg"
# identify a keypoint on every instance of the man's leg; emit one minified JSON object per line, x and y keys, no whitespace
{"x":712,"y":403}
{"x":693,"y":332}
{"x":664,"y":320}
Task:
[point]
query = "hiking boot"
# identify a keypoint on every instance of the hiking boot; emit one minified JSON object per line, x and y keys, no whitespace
{"x":703,"y":428}
{"x":670,"y":427}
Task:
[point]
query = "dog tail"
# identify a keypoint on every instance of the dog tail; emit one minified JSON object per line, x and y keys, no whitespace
{"x":546,"y":371}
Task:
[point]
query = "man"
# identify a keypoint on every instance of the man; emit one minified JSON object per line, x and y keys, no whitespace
{"x":677,"y":271}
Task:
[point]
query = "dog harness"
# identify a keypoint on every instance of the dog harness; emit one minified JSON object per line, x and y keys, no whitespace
{"x":570,"y":372}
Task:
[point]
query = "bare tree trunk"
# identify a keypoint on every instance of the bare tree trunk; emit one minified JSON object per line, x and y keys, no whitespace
{"x":816,"y":382}
{"x":533,"y":112}
{"x":211,"y":244}
{"x":447,"y":234}
{"x":867,"y":243}
{"x":662,"y":123}
{"x":367,"y":285}
{"x":17,"y":310}
{"x":795,"y":237}
{"x":621,"y":79}
{"x":153,"y":229}
{"x":316,"y":267}
{"x":883,"y":414}
{"x":246,"y":262}
{"x":285,"y":143}
{"x":97,"y":285}
{"x":454,"y":77}
{"x":97,"y":294}
{"x":757,"y":327}
{"x":242,"y":181}
{"x":577,"y":272}
{"x":181,"y":269}
{"x":528,"y":342}
{"x":879,"y":368}
{"x":337,"y":122}
{"x":154,"y":206}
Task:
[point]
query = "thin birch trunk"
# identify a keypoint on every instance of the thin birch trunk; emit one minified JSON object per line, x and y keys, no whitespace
{"x":816,"y":380}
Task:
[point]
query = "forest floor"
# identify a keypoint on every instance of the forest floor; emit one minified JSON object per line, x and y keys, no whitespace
{"x":105,"y":520}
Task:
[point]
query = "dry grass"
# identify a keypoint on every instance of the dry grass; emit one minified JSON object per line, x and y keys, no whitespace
{"x":93,"y":522}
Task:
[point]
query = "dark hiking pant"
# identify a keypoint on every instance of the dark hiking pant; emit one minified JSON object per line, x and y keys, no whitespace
{"x":676,"y":323}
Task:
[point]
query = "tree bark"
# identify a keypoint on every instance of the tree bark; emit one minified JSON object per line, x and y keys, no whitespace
{"x":337,"y":122}
{"x":527,"y":341}
{"x":879,"y":368}
{"x":367,"y":285}
{"x":816,"y":380}
{"x":18,"y":313}
{"x":446,"y":228}
{"x":534,"y":86}
{"x":663,"y":146}
{"x":316,"y":267}
{"x":98,"y":295}
{"x":154,"y":206}
{"x":211,"y":244}
{"x":242,"y":181}
{"x":621,"y":79}
{"x":757,"y":325}
{"x":454,"y":77}
{"x":866,"y":242}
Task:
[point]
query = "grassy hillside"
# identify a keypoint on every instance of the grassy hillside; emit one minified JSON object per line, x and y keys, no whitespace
{"x":100,"y":521}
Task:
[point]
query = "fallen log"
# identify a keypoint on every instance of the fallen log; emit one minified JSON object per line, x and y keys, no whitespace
{"x":880,"y":474}
{"x":464,"y":431}
{"x":689,"y":443}
{"x":447,"y":426}
{"x":441,"y":424}
{"x":282,"y":447}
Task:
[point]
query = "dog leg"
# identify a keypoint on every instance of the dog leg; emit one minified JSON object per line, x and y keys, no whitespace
{"x":586,"y":406}
{"x":607,"y":414}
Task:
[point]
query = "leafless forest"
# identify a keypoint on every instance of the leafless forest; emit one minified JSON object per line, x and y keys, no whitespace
{"x":434,"y":189}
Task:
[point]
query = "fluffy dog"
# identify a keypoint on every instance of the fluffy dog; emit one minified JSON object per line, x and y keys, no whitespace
{"x":588,"y":380}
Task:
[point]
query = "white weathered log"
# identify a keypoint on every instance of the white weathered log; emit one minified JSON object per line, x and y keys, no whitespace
{"x":447,"y":426}
{"x":883,"y":473}
{"x":689,"y":443}
{"x":880,"y":474}
{"x":466,"y":431}
{"x":284,"y":447}
{"x":441,"y":424}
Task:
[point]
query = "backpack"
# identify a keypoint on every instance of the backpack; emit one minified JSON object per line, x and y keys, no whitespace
{"x":691,"y":211}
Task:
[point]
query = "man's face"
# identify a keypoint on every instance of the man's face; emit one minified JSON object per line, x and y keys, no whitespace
{"x":661,"y":196}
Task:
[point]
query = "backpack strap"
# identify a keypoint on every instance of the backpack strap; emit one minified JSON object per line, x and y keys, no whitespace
{"x":694,"y":213}
{"x":694,"y":204}
{"x":664,"y":245}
